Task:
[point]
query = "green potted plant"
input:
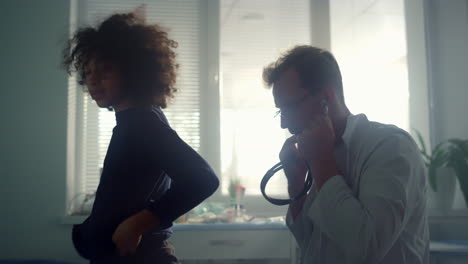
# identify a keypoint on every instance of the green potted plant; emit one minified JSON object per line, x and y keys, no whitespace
{"x":451,"y":154}
{"x":233,"y":182}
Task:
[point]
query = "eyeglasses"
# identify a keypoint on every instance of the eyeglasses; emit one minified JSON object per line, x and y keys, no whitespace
{"x":292,"y":106}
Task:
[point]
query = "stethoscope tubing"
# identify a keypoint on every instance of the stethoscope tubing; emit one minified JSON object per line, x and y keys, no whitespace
{"x":275,"y":201}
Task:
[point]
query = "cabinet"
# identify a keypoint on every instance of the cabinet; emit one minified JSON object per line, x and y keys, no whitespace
{"x":234,"y":241}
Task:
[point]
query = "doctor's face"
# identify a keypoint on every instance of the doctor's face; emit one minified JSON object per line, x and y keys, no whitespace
{"x":297,"y":105}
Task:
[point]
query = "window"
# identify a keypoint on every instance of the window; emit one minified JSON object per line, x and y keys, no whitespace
{"x":253,"y":34}
{"x":368,"y":38}
{"x":94,"y":125}
{"x":223,"y":109}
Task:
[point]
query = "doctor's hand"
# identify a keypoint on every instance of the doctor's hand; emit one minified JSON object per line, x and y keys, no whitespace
{"x":316,"y":145}
{"x":294,"y":166}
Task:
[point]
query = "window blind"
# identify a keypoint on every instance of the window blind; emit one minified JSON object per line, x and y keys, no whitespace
{"x":253,"y":34}
{"x":368,"y":38}
{"x":182,"y":20}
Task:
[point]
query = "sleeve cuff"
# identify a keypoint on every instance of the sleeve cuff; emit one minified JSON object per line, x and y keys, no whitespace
{"x":327,"y":199}
{"x":295,"y":226}
{"x":165,"y":222}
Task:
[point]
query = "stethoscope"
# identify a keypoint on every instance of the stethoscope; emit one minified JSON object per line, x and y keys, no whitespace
{"x":275,"y":201}
{"x":278,"y":167}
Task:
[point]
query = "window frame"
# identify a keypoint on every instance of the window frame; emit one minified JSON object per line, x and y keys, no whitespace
{"x":419,"y":84}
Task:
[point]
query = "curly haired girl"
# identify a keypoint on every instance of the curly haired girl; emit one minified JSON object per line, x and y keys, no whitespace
{"x":150,"y":175}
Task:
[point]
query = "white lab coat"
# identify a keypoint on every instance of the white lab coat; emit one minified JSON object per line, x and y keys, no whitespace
{"x":376,"y":211}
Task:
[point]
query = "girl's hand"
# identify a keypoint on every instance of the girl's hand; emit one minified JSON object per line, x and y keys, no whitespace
{"x":128,"y":234}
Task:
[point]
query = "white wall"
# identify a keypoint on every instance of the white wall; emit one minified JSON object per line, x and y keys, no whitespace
{"x":448,"y":32}
{"x":448,"y":46}
{"x":33,"y":111}
{"x":447,"y":29}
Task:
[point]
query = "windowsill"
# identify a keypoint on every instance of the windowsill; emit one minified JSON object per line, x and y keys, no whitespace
{"x":229,"y":226}
{"x":449,"y":248}
{"x":437,"y":215}
{"x":434,"y":216}
{"x":75,"y":219}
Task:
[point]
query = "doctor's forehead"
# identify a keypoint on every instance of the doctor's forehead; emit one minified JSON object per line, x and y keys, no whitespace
{"x":287,"y":88}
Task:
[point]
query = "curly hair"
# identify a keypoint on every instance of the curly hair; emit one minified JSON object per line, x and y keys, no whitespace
{"x":143,"y":53}
{"x":316,"y":68}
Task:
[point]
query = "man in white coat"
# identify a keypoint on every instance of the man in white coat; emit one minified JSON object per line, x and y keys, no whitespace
{"x":367,"y":203}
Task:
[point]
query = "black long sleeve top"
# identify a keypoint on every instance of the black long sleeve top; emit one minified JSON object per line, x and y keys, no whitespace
{"x":147,"y":166}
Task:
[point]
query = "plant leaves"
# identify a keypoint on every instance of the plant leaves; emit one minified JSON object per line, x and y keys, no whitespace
{"x":461,"y":144}
{"x":439,"y":157}
{"x":452,"y":153}
{"x":461,"y":171}
{"x":423,"y":149}
{"x":421,"y":141}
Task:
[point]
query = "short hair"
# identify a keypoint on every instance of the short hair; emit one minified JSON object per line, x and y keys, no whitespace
{"x":144,"y":54}
{"x":317,"y":68}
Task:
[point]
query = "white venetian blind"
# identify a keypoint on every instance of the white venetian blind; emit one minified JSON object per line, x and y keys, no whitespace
{"x":253,"y":34}
{"x":368,"y":38}
{"x":182,"y":19}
